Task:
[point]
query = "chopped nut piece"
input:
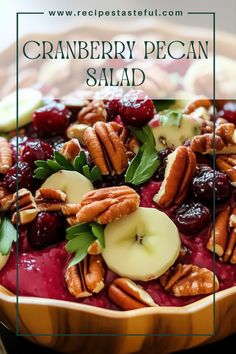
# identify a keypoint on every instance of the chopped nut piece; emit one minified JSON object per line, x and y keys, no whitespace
{"x":181,"y":166}
{"x":128,"y":295}
{"x":95,"y":248}
{"x":221,"y":233}
{"x":70,"y":210}
{"x":92,"y":113}
{"x":106,"y":148}
{"x":86,"y":278}
{"x":130,"y":141}
{"x":27,"y":208}
{"x":224,"y":140}
{"x":5,"y":156}
{"x":107,"y":204}
{"x":189,"y":280}
{"x":6,"y":199}
{"x":71,"y":149}
{"x":227,"y":165}
{"x":200,"y":101}
{"x":49,"y":199}
{"x":225,"y":236}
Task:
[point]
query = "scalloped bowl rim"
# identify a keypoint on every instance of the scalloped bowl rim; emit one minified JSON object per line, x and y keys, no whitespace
{"x":69,"y":305}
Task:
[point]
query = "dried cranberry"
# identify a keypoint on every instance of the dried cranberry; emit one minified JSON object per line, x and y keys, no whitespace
{"x":136,"y":108}
{"x":228,"y":112}
{"x":24,"y":177}
{"x":36,"y":149}
{"x":191,"y":218}
{"x":203,"y":185}
{"x":163,"y":154}
{"x":51,"y":120}
{"x":46,"y":229}
{"x":55,"y":141}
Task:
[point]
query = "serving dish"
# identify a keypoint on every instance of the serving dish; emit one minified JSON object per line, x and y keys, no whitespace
{"x":188,"y":326}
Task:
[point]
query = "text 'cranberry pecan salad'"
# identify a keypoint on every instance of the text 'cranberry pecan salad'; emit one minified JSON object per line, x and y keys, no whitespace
{"x":113,"y":199}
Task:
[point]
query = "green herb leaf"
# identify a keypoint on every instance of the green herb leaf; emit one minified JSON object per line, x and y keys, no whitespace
{"x":171,"y":118}
{"x":77,"y":229}
{"x":61,"y":160}
{"x":86,"y":172}
{"x":147,"y":166}
{"x":83,"y":157}
{"x":7,"y":236}
{"x":133,"y":166}
{"x":146,"y":162}
{"x":80,"y":245}
{"x":161,"y":105}
{"x":42,"y":173}
{"x":54,"y":165}
{"x":78,"y":164}
{"x":96,"y":174}
{"x":43,"y":164}
{"x":98,"y":232}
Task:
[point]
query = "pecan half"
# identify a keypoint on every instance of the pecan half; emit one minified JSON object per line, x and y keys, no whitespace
{"x":224,"y":242}
{"x":200,"y":101}
{"x":27,"y":209}
{"x":71,"y":149}
{"x":130,"y":141}
{"x":107,"y":204}
{"x":70,"y":210}
{"x":6,"y":199}
{"x":49,"y":199}
{"x":94,"y":112}
{"x":5,"y":156}
{"x":128,"y":295}
{"x":106,"y":148}
{"x":227,"y":165}
{"x":224,"y":139}
{"x":206,"y":142}
{"x":189,"y":280}
{"x":180,"y":168}
{"x":86,"y":278}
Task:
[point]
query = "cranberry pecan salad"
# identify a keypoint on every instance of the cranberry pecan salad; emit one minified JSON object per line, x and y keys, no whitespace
{"x":113,"y":198}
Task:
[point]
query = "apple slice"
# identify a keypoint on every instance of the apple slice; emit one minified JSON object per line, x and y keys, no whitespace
{"x":29,"y":100}
{"x":141,"y":246}
{"x":3,"y":260}
{"x":73,"y":183}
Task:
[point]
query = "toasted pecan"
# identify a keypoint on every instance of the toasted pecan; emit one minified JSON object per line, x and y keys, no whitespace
{"x":94,"y":112}
{"x":106,"y":148}
{"x":181,"y":166}
{"x":5,"y":155}
{"x":23,"y":207}
{"x":219,"y":240}
{"x":6,"y":199}
{"x":128,"y":295}
{"x":227,"y":165}
{"x":107,"y":204}
{"x":189,"y":280}
{"x":71,"y":149}
{"x":50,"y":199}
{"x":223,"y":236}
{"x":200,"y":101}
{"x":86,"y":278}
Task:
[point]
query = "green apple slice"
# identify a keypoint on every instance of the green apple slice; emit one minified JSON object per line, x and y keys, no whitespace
{"x":3,"y":260}
{"x":141,"y":246}
{"x":73,"y":183}
{"x":29,"y":100}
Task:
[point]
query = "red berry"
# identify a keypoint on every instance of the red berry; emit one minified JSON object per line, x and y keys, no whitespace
{"x":46,"y":229}
{"x":136,"y":108}
{"x":191,"y":218}
{"x":24,"y":177}
{"x":36,"y":149}
{"x":228,"y":112}
{"x":203,"y":184}
{"x":112,"y":108}
{"x":163,"y":154}
{"x":52,"y":119}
